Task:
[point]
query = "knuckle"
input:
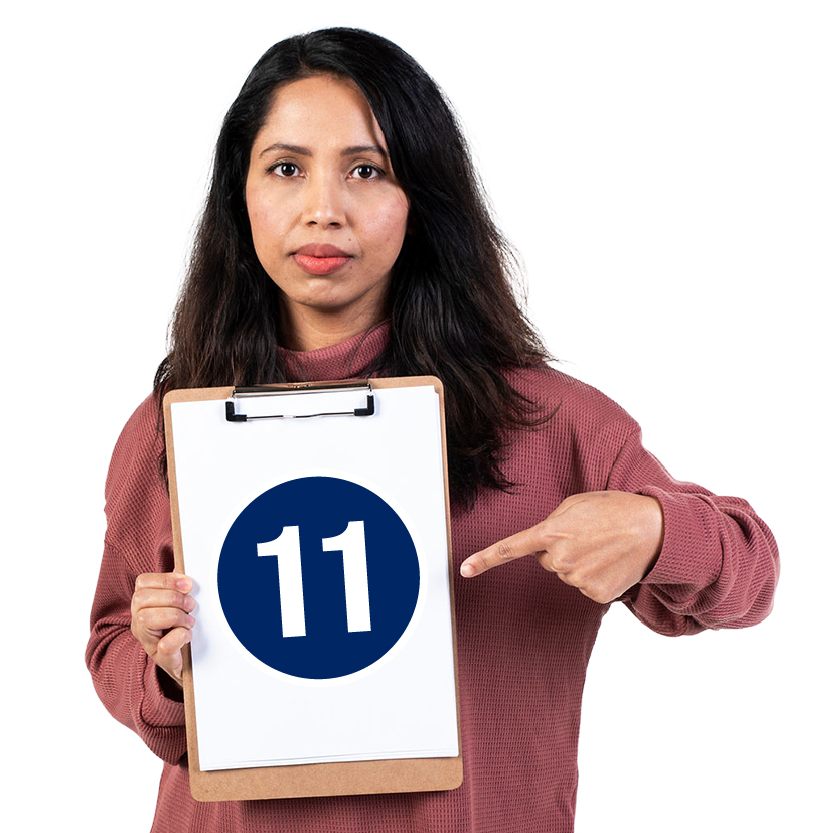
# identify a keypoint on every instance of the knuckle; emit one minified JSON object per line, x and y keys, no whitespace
{"x":552,"y":560}
{"x":549,"y":537}
{"x":578,"y":578}
{"x":503,"y":551}
{"x":568,"y":556}
{"x":597,"y":595}
{"x":595,"y":590}
{"x":182,"y":601}
{"x":547,"y":563}
{"x":155,"y":581}
{"x":590,"y":590}
{"x":172,"y":642}
{"x":147,"y":580}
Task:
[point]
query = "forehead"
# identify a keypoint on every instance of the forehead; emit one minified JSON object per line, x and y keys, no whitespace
{"x":323,"y":109}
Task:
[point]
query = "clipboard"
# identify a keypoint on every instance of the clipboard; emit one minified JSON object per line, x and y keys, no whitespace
{"x":242,"y":411}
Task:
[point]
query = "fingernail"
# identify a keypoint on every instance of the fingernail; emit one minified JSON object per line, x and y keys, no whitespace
{"x":467,"y":570}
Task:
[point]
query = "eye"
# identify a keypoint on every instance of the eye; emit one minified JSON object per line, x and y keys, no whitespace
{"x":285,"y":169}
{"x":365,"y":172}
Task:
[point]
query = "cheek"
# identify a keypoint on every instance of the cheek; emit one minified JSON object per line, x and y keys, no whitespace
{"x":388,"y":224}
{"x":267,"y":223}
{"x":260,"y":239}
{"x":257,"y":216}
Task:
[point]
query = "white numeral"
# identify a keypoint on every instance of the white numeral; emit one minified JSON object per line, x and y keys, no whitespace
{"x":287,"y":547}
{"x":354,"y":557}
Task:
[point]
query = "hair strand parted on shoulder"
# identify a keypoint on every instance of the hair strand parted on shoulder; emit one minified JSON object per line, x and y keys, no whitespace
{"x":453,"y":310}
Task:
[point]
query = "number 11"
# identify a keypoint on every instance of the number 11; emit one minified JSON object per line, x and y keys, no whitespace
{"x":287,"y":548}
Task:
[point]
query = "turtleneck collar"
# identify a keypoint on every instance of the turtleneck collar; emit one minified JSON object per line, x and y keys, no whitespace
{"x":350,"y":359}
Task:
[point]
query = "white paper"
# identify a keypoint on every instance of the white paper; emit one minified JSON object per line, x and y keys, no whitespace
{"x":248,"y":714}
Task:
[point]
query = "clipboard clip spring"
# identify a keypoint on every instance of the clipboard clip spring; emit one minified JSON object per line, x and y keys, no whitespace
{"x":303,"y":387}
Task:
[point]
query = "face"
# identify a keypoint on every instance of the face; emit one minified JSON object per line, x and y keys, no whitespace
{"x":328,"y":216}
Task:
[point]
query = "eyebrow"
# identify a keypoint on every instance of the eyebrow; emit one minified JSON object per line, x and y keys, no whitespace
{"x":299,"y":150}
{"x":352,"y":151}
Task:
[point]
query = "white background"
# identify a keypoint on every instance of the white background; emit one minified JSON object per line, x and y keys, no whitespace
{"x":663,"y":167}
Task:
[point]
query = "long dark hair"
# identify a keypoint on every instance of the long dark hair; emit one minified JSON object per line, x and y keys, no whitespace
{"x":452,"y":307}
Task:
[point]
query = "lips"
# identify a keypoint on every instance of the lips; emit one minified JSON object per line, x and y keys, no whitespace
{"x":320,"y":258}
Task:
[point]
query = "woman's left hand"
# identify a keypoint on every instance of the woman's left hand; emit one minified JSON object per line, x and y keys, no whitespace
{"x":600,"y":542}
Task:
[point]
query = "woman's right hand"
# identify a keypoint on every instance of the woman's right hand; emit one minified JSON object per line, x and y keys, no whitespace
{"x":161,"y":618}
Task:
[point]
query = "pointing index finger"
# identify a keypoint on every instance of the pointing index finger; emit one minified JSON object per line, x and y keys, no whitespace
{"x":515,"y":546}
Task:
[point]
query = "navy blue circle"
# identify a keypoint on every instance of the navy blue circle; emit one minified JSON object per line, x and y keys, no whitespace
{"x":249,"y":584}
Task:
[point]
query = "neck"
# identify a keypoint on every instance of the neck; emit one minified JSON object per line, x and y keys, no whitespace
{"x":306,"y":328}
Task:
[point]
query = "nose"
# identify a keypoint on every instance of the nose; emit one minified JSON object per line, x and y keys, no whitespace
{"x":324,"y":203}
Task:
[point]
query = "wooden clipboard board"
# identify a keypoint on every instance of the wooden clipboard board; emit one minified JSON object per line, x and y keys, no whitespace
{"x":309,"y":779}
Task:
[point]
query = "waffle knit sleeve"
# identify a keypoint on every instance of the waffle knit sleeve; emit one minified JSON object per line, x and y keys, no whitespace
{"x":138,"y":540}
{"x":718,"y":565}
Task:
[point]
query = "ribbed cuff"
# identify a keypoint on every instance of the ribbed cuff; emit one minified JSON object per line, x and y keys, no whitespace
{"x":691,"y":552}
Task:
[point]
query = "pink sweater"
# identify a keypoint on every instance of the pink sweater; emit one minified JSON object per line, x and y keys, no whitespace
{"x":524,"y":637}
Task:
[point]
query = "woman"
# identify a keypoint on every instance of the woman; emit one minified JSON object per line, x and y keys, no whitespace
{"x":345,"y":235}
